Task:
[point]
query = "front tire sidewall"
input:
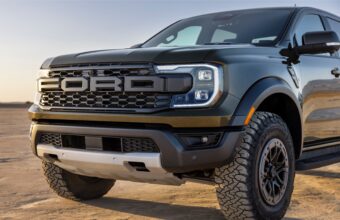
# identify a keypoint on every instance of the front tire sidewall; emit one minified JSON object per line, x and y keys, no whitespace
{"x":264,"y":209}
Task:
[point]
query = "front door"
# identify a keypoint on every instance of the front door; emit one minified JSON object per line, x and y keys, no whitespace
{"x":320,"y":89}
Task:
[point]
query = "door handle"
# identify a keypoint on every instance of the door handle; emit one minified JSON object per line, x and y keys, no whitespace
{"x":336,"y":72}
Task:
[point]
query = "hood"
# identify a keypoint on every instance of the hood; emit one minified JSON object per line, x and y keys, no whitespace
{"x":157,"y":55}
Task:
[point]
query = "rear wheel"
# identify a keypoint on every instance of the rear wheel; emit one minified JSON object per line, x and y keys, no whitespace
{"x":73,"y":186}
{"x":258,"y":183}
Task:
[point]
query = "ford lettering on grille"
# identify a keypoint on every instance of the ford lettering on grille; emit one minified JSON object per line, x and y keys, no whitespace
{"x":93,"y":84}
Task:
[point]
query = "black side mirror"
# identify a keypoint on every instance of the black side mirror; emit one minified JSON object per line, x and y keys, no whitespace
{"x":319,"y":42}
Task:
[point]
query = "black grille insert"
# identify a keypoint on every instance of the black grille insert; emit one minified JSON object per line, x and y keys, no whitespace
{"x":139,"y":145}
{"x":73,"y":141}
{"x":113,"y":144}
{"x":51,"y":138}
{"x":105,"y":100}
{"x":100,"y":70}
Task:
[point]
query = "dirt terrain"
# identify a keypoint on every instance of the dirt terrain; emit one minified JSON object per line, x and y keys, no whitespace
{"x":24,"y":193}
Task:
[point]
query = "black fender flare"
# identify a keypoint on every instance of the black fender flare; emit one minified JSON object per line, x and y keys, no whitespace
{"x":258,"y":92}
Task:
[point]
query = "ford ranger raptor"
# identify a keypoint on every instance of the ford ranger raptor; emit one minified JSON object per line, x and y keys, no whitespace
{"x":240,"y":99}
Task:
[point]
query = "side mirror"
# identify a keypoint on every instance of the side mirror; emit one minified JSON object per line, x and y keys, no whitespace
{"x":319,"y":42}
{"x":136,"y":46}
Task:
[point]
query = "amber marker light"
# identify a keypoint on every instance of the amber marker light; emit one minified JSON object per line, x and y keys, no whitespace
{"x":250,"y":115}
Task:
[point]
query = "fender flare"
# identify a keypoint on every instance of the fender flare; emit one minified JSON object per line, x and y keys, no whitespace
{"x":258,"y":92}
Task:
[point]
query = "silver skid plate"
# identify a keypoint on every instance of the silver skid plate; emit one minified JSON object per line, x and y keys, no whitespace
{"x":109,"y":165}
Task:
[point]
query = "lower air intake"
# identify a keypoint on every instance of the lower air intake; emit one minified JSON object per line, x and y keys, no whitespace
{"x":113,"y":144}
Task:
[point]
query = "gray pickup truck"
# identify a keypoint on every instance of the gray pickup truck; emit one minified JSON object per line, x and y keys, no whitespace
{"x":240,"y":99}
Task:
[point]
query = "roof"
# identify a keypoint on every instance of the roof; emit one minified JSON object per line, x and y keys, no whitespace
{"x":264,"y":9}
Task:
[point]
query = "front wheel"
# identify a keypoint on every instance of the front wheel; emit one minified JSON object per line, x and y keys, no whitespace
{"x":259,"y":182}
{"x":73,"y":186}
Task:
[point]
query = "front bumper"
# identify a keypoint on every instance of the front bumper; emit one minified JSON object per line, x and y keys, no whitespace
{"x":174,"y":157}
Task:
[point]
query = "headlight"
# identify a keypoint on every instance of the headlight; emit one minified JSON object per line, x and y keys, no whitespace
{"x":207,"y":84}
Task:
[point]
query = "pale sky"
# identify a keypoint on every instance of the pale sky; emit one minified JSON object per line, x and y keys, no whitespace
{"x":33,"y":30}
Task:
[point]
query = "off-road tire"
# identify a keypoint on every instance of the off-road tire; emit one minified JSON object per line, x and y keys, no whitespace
{"x":73,"y":186}
{"x":237,"y":183}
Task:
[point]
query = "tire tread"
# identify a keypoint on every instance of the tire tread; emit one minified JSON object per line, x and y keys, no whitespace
{"x":59,"y":183}
{"x":233,"y":180}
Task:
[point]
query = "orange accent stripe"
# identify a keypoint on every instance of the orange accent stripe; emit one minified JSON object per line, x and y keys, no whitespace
{"x":250,"y":115}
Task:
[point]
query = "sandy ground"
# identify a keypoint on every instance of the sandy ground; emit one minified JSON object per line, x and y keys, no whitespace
{"x":24,"y":193}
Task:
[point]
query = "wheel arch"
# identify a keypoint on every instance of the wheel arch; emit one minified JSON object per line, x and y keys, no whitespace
{"x":276,"y":96}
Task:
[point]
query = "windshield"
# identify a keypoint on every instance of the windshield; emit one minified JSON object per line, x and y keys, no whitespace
{"x":258,"y":27}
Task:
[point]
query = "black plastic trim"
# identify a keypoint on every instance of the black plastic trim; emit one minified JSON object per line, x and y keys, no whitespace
{"x":260,"y":91}
{"x":316,"y":162}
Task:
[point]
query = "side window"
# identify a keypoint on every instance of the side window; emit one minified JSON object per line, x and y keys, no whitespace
{"x":185,"y":37}
{"x":308,"y":23}
{"x":335,"y":26}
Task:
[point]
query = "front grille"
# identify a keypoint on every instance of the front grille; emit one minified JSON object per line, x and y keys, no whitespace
{"x":100,"y":70}
{"x":112,"y":100}
{"x":113,"y":144}
{"x":104,"y":100}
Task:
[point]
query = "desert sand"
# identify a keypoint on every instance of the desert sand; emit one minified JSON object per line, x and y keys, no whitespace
{"x":24,"y":194}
